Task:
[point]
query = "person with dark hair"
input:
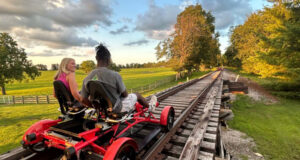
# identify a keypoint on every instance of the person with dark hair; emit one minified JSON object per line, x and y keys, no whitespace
{"x":113,"y":81}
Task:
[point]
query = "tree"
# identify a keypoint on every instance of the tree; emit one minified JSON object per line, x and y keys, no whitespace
{"x":13,"y":62}
{"x":54,"y":67}
{"x":284,"y":41}
{"x":193,"y":43}
{"x":230,"y":58}
{"x":88,"y":65}
{"x":114,"y":67}
{"x":268,"y":42}
{"x":41,"y":67}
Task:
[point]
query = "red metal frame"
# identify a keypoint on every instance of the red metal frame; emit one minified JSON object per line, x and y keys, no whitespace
{"x":41,"y":128}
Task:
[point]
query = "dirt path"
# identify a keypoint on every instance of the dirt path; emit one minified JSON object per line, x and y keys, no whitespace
{"x":255,"y":91}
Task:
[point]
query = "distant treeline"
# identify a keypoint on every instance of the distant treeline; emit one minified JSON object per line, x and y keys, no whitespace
{"x":117,"y":67}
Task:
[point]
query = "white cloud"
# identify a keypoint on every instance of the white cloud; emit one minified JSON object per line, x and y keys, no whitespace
{"x":53,"y":23}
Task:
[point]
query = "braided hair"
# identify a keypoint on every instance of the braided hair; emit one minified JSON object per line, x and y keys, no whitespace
{"x":103,"y":54}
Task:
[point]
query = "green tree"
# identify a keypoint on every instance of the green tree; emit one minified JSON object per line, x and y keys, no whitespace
{"x":284,"y":41}
{"x":114,"y":67}
{"x":87,"y":66}
{"x":230,"y":57}
{"x":13,"y":62}
{"x":41,"y":67}
{"x":193,"y":43}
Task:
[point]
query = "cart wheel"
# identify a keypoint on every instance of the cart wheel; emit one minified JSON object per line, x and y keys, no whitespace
{"x":167,"y":123}
{"x":38,"y":147}
{"x":126,"y":152}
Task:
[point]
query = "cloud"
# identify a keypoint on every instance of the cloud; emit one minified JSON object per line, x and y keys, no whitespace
{"x":121,"y":30}
{"x":227,"y":13}
{"x":65,"y":13}
{"x":53,"y":23}
{"x":45,"y":53}
{"x":63,"y":39}
{"x":140,"y":42}
{"x":157,"y":21}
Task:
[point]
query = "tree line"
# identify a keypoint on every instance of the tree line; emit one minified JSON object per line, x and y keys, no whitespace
{"x":268,"y":43}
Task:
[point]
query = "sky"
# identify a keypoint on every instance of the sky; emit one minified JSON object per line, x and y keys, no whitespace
{"x":50,"y":30}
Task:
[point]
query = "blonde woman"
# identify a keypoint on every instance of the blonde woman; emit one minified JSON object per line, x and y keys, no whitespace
{"x":66,"y":74}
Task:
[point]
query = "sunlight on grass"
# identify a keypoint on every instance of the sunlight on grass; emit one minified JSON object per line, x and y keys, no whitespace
{"x":132,"y":78}
{"x":16,"y":119}
{"x":275,"y":128}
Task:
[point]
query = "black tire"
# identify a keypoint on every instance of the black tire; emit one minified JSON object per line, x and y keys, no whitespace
{"x":170,"y":121}
{"x":126,"y":152}
{"x":38,"y":147}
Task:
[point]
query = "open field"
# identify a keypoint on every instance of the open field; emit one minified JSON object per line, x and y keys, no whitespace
{"x":274,"y":128}
{"x":15,"y":119}
{"x":132,"y":78}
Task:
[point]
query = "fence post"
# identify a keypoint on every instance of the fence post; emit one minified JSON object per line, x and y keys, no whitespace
{"x":48,"y":100}
{"x":37,"y":99}
{"x":22,"y":99}
{"x":8,"y":97}
{"x":131,"y":90}
{"x":13,"y":99}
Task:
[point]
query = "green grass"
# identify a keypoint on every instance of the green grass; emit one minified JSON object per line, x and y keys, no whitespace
{"x":132,"y":78}
{"x":275,"y":128}
{"x":15,"y":119}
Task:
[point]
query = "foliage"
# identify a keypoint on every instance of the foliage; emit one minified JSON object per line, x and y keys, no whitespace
{"x":54,"y":67}
{"x":230,"y":58}
{"x":268,"y":42}
{"x":114,"y":67}
{"x":41,"y":67}
{"x":13,"y":62}
{"x":193,"y":43}
{"x":87,"y":66}
{"x":274,"y":128}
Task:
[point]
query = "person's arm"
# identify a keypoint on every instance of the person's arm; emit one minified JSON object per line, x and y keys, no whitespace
{"x":73,"y":86}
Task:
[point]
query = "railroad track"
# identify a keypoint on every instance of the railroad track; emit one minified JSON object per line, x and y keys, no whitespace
{"x":194,"y":134}
{"x":196,"y":105}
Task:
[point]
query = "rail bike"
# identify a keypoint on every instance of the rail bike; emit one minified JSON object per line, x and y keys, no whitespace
{"x":96,"y":131}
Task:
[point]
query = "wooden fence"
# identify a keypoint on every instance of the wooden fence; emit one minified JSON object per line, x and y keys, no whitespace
{"x":44,"y":99}
{"x":41,"y":99}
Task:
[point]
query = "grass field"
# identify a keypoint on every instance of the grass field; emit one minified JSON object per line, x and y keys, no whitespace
{"x":275,"y":128}
{"x":15,"y":119}
{"x":133,"y":78}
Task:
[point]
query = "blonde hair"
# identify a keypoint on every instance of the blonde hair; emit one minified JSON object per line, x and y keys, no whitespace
{"x":63,"y":67}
